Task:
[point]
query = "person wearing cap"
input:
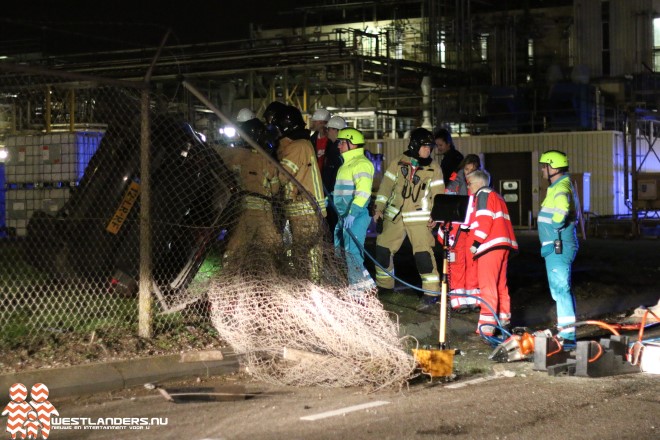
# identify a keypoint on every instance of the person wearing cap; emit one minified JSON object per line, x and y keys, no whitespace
{"x":351,"y":197}
{"x":404,"y":202}
{"x":557,"y":233}
{"x":331,"y":164}
{"x":319,"y":137}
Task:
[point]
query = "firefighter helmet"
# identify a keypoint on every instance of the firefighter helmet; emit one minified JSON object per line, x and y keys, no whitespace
{"x":419,"y":138}
{"x":352,"y":135}
{"x":556,"y":159}
{"x":287,"y":120}
{"x":272,"y":108}
{"x":255,"y":129}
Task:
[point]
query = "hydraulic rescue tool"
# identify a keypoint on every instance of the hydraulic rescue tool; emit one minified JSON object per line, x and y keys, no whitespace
{"x":439,"y":362}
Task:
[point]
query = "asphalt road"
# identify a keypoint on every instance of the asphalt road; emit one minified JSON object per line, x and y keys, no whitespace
{"x":529,"y":405}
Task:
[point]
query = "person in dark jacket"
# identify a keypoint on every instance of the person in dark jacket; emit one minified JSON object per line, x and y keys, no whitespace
{"x":451,"y":157}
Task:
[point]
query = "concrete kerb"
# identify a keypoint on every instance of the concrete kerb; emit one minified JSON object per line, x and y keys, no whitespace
{"x":113,"y":376}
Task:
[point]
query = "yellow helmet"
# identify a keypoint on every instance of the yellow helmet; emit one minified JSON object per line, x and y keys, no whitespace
{"x":556,"y":159}
{"x":351,"y":134}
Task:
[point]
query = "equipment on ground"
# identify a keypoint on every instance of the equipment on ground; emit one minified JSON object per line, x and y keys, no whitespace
{"x":439,"y":362}
{"x":518,"y":347}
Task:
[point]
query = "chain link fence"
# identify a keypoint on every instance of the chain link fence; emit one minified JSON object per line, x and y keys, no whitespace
{"x":75,"y":233}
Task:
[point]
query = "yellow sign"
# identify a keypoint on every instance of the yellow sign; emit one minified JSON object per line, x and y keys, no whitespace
{"x":131,"y":196}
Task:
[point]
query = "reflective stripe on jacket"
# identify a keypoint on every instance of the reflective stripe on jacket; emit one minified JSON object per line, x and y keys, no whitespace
{"x":299,"y":158}
{"x":353,"y":185}
{"x":557,"y":212}
{"x":491,"y":225}
{"x":407,"y":191}
{"x":258,"y":176}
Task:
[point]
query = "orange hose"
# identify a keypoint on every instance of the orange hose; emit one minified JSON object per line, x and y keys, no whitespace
{"x":604,"y":325}
{"x":600,"y":352}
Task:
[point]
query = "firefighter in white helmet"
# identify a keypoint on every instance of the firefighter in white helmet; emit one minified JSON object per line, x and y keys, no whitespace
{"x":319,"y":137}
{"x":331,"y":165}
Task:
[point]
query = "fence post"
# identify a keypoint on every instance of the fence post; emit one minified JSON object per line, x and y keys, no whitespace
{"x":145,"y":303}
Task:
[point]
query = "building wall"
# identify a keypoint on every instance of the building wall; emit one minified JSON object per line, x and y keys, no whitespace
{"x":599,"y":153}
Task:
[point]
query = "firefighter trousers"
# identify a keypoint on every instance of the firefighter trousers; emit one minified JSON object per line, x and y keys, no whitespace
{"x":306,"y":238}
{"x":422,"y":240}
{"x":254,"y":228}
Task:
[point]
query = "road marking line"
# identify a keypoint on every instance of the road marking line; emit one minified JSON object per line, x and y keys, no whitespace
{"x":473,"y":381}
{"x":341,"y":411}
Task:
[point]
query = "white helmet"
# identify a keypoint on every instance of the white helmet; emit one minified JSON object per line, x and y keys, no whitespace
{"x":321,"y":114}
{"x":245,"y":114}
{"x":337,"y":122}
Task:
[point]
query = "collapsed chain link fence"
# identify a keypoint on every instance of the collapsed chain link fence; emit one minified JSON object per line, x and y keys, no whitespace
{"x":71,"y":187}
{"x":70,"y":250}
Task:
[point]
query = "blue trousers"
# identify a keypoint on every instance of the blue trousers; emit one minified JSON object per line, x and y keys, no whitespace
{"x":354,"y":257}
{"x":558,"y":267}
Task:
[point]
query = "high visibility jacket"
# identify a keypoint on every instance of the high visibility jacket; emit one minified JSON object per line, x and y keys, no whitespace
{"x":407,"y":190}
{"x":299,"y":158}
{"x":558,"y":216}
{"x":353,"y":186}
{"x":257,"y":175}
{"x":457,"y":184}
{"x":491,"y":225}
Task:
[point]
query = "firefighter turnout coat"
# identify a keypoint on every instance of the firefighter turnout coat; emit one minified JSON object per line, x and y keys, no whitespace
{"x":299,"y":158}
{"x":259,"y":182}
{"x":405,"y":198}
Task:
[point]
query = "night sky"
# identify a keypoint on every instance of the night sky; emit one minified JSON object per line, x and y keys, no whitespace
{"x":61,"y":26}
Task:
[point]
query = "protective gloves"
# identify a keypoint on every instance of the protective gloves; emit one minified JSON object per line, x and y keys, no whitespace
{"x":348,"y":221}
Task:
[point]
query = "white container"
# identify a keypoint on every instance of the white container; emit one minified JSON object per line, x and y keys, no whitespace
{"x":50,"y":158}
{"x":21,"y":204}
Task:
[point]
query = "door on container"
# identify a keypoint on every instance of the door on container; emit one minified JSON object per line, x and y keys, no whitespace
{"x":511,"y":176}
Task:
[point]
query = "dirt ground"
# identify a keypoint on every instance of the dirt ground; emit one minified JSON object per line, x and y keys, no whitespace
{"x":611,"y":277}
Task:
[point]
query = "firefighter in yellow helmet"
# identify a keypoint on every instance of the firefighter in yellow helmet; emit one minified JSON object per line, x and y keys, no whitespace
{"x":351,"y":196}
{"x":404,"y":200}
{"x":557,"y":233}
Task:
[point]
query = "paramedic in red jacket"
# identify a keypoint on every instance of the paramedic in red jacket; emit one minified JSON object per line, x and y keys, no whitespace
{"x":492,"y":238}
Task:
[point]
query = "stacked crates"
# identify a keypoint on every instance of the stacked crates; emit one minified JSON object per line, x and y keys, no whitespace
{"x":40,"y":171}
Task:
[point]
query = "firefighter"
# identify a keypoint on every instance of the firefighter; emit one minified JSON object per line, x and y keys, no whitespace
{"x":259,"y":182}
{"x":492,"y":240}
{"x":351,"y":197}
{"x":404,"y":202}
{"x":557,"y":233}
{"x":296,"y":154}
{"x":462,"y":269}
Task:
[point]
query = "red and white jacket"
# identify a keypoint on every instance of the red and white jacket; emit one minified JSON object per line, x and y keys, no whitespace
{"x":490,"y":224}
